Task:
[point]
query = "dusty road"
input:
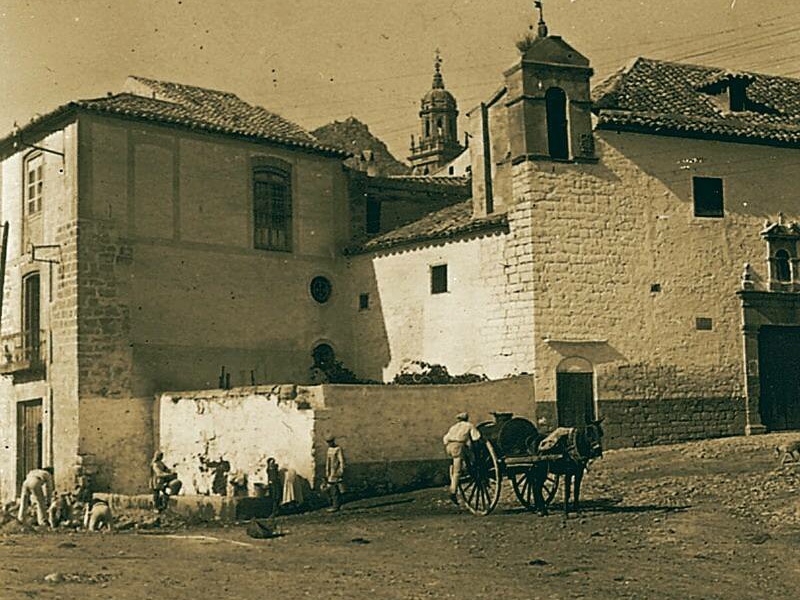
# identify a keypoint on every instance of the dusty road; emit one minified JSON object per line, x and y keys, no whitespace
{"x":714,"y":519}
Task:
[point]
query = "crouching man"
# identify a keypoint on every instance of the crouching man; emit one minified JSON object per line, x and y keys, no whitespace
{"x":38,"y":484}
{"x":97,"y":515}
{"x":456,"y":440}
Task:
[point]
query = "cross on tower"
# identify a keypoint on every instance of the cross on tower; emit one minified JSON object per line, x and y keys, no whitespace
{"x":542,"y":26}
{"x":437,"y":63}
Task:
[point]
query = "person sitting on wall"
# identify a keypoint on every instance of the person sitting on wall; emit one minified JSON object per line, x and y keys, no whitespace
{"x":160,"y":478}
{"x":456,"y":440}
{"x":38,"y":484}
{"x":334,"y":472}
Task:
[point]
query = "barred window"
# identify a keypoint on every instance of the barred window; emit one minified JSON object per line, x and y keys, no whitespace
{"x":34,"y":183}
{"x":272,"y":209}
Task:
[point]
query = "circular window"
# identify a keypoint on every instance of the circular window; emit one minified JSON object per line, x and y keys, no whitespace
{"x":321,"y":289}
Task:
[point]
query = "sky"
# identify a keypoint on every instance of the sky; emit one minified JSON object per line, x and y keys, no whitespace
{"x":314,"y":61}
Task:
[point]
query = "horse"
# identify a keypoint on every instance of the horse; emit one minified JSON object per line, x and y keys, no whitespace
{"x":570,"y":457}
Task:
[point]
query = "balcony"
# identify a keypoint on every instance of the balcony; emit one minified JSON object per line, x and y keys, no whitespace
{"x":23,"y":352}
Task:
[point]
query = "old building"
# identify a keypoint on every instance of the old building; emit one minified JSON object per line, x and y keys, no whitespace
{"x":634,"y":250}
{"x":155,"y":238}
{"x":617,"y":261}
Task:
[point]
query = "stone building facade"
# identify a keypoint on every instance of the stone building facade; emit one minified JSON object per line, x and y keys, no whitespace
{"x":642,"y":268}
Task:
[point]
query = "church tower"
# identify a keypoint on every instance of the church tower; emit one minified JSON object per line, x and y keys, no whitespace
{"x":438,"y":141}
{"x":549,"y":100}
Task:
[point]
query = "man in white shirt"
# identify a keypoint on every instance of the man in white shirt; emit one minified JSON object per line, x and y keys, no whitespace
{"x":39,"y":485}
{"x":455,"y":440}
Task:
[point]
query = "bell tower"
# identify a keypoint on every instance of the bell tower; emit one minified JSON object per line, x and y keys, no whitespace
{"x":549,"y":101}
{"x":438,"y":140}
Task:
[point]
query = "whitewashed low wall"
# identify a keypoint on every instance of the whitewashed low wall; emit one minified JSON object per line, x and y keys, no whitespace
{"x":243,"y":426}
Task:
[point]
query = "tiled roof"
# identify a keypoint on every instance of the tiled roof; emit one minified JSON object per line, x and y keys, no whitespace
{"x":675,"y":98}
{"x":449,"y":222}
{"x":196,"y":108}
{"x":436,"y":180}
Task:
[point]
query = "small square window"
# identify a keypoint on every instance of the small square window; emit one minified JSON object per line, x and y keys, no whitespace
{"x":363,"y":301}
{"x":704,"y":324}
{"x":708,"y":197}
{"x":655,"y":288}
{"x":439,"y":279}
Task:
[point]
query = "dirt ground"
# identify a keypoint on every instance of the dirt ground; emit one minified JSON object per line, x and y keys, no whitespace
{"x":713,"y":519}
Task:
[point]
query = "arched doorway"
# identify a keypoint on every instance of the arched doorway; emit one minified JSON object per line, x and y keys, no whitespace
{"x":575,"y":392}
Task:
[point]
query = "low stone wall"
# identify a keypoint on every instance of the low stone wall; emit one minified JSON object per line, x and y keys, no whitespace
{"x":667,"y":421}
{"x":392,"y":435}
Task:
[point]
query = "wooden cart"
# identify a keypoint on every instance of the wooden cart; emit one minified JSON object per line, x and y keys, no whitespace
{"x":507,"y":448}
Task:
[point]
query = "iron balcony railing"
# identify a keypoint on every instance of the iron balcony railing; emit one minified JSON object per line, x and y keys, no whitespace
{"x":23,"y":351}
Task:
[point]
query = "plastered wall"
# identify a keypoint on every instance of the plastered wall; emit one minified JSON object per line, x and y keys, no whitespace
{"x":471,"y":328}
{"x":243,"y":426}
{"x":188,"y":291}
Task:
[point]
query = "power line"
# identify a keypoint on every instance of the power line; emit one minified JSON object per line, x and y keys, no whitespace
{"x":739,"y":45}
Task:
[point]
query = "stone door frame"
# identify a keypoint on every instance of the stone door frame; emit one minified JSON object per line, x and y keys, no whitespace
{"x":758,"y":309}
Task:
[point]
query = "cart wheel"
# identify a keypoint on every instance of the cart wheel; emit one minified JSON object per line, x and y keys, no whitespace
{"x":522,"y":481}
{"x":479,"y":484}
{"x":550,"y":487}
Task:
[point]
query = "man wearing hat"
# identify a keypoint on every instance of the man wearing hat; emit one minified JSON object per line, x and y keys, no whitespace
{"x":334,"y":471}
{"x":455,"y":440}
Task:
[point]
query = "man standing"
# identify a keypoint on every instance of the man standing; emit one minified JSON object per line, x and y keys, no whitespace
{"x":455,"y":440}
{"x":334,"y":472}
{"x":39,"y":484}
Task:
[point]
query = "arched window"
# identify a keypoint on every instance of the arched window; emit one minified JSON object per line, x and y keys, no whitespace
{"x":323,"y":356}
{"x":272,"y":209}
{"x":783,"y":272}
{"x":557,"y":136}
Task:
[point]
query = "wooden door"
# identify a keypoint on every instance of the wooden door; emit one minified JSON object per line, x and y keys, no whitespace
{"x":779,"y":369}
{"x":30,"y":438}
{"x":574,"y":399}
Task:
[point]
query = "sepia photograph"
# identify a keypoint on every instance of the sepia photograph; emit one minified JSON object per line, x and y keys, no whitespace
{"x":407,"y":300}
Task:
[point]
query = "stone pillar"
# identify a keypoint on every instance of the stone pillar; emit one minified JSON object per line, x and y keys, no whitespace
{"x":753,"y":424}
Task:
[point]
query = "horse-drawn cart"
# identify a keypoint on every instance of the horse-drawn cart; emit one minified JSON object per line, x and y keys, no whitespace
{"x":509,"y":447}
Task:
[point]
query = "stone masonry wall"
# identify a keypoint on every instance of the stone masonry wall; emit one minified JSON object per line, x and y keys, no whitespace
{"x":670,"y":420}
{"x":623,"y":268}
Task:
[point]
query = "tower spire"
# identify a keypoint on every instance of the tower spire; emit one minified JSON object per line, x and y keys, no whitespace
{"x":541,"y":30}
{"x":438,"y":82}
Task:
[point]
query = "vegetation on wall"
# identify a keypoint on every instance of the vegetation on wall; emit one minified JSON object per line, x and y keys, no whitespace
{"x":421,"y":373}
